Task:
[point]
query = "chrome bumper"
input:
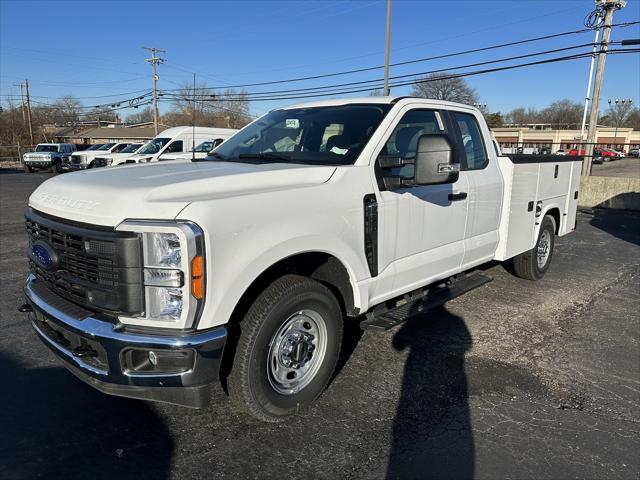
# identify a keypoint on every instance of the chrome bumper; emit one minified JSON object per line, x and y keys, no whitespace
{"x":107,"y":357}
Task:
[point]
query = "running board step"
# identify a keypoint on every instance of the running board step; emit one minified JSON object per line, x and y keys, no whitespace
{"x":432,"y":298}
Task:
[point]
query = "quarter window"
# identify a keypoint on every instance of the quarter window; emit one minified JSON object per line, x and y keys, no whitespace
{"x":474,"y":148}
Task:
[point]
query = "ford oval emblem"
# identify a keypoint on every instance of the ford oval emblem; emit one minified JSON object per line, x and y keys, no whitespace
{"x":44,"y":255}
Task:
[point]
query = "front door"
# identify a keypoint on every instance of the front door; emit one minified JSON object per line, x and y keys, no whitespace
{"x":428,"y":224}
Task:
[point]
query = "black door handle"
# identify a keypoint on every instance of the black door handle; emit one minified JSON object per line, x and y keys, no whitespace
{"x":457,"y":196}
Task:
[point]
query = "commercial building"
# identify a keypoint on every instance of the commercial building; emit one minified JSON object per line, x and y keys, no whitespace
{"x":535,"y":138}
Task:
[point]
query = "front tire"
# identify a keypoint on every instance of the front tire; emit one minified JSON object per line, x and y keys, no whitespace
{"x":288,"y":348}
{"x":534,"y":263}
{"x":27,"y":169}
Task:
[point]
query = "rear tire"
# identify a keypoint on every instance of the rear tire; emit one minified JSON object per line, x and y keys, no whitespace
{"x":534,"y":263}
{"x":287,"y":350}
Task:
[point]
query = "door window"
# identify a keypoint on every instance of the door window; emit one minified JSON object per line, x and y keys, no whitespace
{"x":471,"y":139}
{"x":403,"y":142}
{"x":174,"y":147}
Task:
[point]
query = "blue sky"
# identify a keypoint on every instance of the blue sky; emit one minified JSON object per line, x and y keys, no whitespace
{"x":92,"y":49}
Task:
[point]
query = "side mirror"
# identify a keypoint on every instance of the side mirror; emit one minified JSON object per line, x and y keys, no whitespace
{"x":434,"y":162}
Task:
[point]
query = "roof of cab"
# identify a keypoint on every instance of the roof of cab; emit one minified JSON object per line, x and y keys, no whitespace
{"x":378,"y":101}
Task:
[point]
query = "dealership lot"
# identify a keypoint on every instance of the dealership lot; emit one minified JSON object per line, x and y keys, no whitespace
{"x":516,"y":379}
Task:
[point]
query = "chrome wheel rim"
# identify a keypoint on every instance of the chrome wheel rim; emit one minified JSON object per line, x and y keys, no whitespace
{"x":296,"y":352}
{"x":544,"y":248}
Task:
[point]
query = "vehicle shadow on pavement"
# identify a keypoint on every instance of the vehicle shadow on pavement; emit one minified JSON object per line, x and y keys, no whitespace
{"x":54,"y":426}
{"x":622,"y":224}
{"x":432,"y":437}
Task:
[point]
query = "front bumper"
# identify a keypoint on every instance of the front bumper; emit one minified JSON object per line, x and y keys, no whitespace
{"x":109,"y":358}
{"x":38,"y":163}
{"x":74,"y":166}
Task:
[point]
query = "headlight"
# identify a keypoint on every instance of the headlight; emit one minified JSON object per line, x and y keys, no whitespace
{"x":173,"y":257}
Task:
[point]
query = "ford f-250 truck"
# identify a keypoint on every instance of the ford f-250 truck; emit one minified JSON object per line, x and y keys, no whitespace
{"x":156,"y":281}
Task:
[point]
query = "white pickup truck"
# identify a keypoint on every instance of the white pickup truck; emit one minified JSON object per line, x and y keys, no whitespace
{"x":157,"y":281}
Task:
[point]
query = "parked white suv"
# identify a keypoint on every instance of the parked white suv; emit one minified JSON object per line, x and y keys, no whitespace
{"x":245,"y":266}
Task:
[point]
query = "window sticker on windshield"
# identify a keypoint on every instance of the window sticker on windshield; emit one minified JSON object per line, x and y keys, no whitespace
{"x":292,"y":123}
{"x":339,"y":151}
{"x":439,"y":119}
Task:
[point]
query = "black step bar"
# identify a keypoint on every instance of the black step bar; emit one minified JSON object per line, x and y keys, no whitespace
{"x":382,"y":318}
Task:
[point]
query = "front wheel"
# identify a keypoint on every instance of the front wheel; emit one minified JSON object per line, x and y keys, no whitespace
{"x":288,"y":348}
{"x":27,"y":169}
{"x":533,"y":264}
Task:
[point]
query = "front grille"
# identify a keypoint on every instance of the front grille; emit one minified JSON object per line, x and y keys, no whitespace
{"x":98,"y":269}
{"x":76,"y":159}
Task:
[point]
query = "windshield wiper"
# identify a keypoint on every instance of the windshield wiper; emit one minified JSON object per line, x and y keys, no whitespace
{"x":272,"y":156}
{"x":210,"y":154}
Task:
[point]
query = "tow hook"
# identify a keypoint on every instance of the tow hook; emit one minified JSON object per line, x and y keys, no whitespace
{"x":84,"y":351}
{"x":25,"y":308}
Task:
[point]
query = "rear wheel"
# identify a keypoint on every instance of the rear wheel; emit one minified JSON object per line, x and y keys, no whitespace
{"x":288,"y":348}
{"x":533,"y":264}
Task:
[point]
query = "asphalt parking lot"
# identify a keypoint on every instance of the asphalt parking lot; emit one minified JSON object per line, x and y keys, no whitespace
{"x":628,"y":167}
{"x":513,"y":380}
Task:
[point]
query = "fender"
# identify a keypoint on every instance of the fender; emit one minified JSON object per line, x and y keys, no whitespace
{"x":227,"y":294}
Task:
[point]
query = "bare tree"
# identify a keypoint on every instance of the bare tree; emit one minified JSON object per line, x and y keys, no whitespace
{"x":633,"y":120}
{"x":229,"y":109}
{"x":376,"y":93}
{"x":522,"y":116}
{"x":143,"y":116}
{"x":563,"y":113}
{"x":442,"y":86}
{"x":617,"y":115}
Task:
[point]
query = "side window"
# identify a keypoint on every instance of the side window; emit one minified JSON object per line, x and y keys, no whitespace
{"x":403,"y":141}
{"x":474,"y":148}
{"x":174,"y":147}
{"x":216,"y":142}
{"x":120,"y":147}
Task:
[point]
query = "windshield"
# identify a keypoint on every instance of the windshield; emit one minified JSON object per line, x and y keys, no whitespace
{"x":154,"y":146}
{"x":206,"y":146}
{"x":47,"y":148}
{"x":106,"y":146}
{"x":131,"y":148}
{"x":331,"y":135}
{"x":97,"y":146}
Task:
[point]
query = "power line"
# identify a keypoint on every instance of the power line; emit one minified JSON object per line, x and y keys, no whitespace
{"x":413,"y":82}
{"x":418,"y":60}
{"x":396,"y":77}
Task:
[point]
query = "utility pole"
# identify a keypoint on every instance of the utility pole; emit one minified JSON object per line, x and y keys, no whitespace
{"x":386,"y":90}
{"x":154,"y":61}
{"x":24,"y":115}
{"x":609,"y":6}
{"x":26,"y":84}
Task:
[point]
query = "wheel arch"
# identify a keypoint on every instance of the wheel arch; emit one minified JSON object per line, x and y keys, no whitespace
{"x":324,"y":267}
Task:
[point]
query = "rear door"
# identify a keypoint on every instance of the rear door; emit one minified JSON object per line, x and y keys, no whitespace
{"x":485,"y":188}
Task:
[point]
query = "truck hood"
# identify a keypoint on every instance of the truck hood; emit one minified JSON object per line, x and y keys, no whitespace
{"x":161,"y":190}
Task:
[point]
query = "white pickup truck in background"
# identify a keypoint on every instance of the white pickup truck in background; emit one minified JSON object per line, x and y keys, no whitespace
{"x":157,"y":281}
